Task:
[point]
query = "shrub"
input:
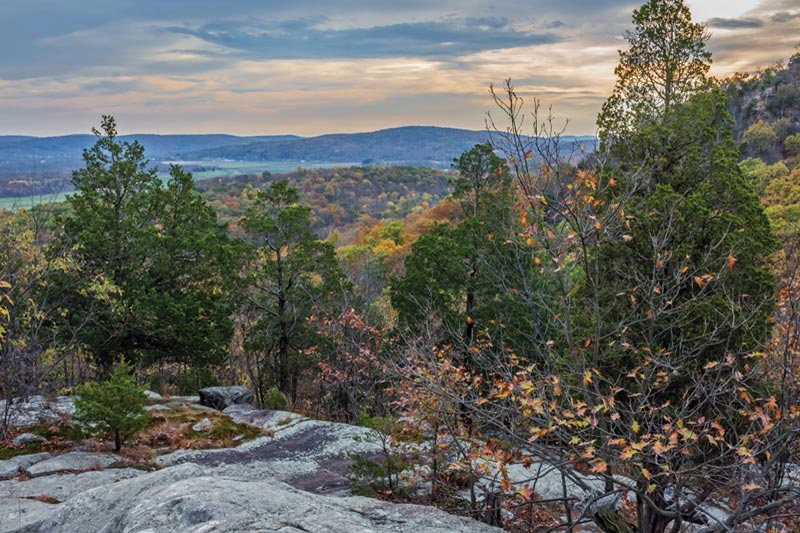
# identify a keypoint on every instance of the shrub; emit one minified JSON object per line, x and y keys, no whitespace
{"x":114,"y":409}
{"x":274,"y":400}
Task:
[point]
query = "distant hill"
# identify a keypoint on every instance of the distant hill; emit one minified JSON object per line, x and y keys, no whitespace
{"x":35,"y":165}
{"x":53,"y":150}
{"x":32,"y":165}
{"x":410,"y":145}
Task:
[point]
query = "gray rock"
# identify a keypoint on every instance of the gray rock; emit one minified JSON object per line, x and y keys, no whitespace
{"x":199,"y":407}
{"x":11,"y":467}
{"x":17,"y":513}
{"x":183,"y":499}
{"x":153,"y":395}
{"x":65,"y":486}
{"x":185,"y":399}
{"x":72,"y":462}
{"x":27,"y":438}
{"x":308,"y":454}
{"x":221,"y":397}
{"x":204,"y":425}
{"x":156,"y":407}
{"x":18,"y":509}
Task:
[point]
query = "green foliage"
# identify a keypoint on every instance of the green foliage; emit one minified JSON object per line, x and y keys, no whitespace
{"x":194,"y":379}
{"x":666,"y":63}
{"x":760,"y":138}
{"x":292,"y":273}
{"x":274,"y":400}
{"x":791,"y":145}
{"x":154,"y":280}
{"x":114,"y":409}
{"x":372,"y":476}
{"x":762,"y":174}
{"x":695,"y":265}
{"x":690,"y":279}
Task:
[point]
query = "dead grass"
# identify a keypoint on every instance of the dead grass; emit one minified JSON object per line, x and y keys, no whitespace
{"x":168,"y":430}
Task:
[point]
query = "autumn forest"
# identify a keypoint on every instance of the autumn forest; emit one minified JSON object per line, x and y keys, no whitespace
{"x":625,"y":311}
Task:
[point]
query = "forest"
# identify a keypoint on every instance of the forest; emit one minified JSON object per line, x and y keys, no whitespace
{"x":629,"y":316}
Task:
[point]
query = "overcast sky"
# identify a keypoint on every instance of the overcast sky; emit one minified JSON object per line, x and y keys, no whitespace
{"x":321,"y":66}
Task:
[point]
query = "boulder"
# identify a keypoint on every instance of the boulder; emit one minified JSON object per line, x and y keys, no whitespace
{"x":11,"y":467}
{"x":27,"y":438}
{"x":150,"y":395}
{"x":72,"y":462}
{"x":17,"y":513}
{"x":221,"y":397}
{"x":183,"y":498}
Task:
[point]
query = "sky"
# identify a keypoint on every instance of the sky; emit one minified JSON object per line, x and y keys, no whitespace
{"x":309,"y":67}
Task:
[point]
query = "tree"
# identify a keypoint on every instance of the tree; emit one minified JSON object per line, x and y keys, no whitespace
{"x":666,"y":63}
{"x":164,"y":260}
{"x":761,"y":138}
{"x":292,"y":273}
{"x":653,"y":383}
{"x":448,"y":266}
{"x":791,"y":145}
{"x":113,"y":409}
{"x":31,"y":350}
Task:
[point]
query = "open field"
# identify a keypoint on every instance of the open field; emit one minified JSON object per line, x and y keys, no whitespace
{"x":201,"y":170}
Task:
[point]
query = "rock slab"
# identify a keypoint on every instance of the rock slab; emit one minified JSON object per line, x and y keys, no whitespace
{"x":182,"y":498}
{"x":72,"y":462}
{"x":11,"y":467}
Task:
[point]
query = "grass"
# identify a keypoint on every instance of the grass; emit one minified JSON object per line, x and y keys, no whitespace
{"x":10,"y":453}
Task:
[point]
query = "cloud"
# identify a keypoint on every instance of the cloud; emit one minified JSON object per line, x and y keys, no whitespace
{"x":733,"y":24}
{"x":310,"y":39}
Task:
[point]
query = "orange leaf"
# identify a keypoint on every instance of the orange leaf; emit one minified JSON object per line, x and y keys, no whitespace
{"x":600,"y":467}
{"x":699,"y":281}
{"x":731,"y":262}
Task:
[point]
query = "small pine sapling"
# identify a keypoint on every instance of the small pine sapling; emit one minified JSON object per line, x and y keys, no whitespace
{"x":113,"y":409}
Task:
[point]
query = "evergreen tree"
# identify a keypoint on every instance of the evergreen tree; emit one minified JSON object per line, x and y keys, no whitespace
{"x":292,"y":274}
{"x":113,"y":409}
{"x":155,"y":266}
{"x":666,"y":62}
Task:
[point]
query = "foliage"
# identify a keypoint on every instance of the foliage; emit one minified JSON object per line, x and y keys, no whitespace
{"x":351,"y":380}
{"x":666,"y":62}
{"x":30,"y":351}
{"x":274,"y":400}
{"x":791,"y":145}
{"x":760,"y":138}
{"x":378,"y":476}
{"x":153,"y":261}
{"x":113,"y":409}
{"x":292,"y":273}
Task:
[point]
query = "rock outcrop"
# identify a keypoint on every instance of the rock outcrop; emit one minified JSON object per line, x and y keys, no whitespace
{"x":307,"y":454}
{"x":184,"y":498}
{"x":72,"y":462}
{"x":37,"y":409}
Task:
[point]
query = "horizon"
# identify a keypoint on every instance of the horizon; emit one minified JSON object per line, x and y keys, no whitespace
{"x":315,"y":68}
{"x":256,"y":135}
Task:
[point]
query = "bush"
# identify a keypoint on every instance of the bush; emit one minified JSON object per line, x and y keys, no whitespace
{"x":114,"y":409}
{"x":274,"y":400}
{"x":791,"y":145}
{"x":195,"y":379}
